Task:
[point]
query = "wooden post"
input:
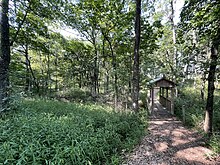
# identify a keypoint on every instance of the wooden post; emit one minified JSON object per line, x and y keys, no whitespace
{"x":152,"y":99}
{"x":148,"y":100}
{"x":163,"y":92}
{"x":160,"y":95}
{"x":172,"y":101}
{"x":166,"y":98}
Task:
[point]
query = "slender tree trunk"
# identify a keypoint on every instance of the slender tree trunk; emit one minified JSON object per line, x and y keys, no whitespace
{"x":185,"y":73}
{"x":106,"y":66}
{"x":48,"y":74}
{"x":136,"y":70}
{"x":202,"y":91}
{"x":172,"y":23}
{"x":95,"y":80}
{"x":114,"y":65}
{"x":14,"y":38}
{"x":174,"y":39}
{"x":28,"y":63}
{"x":130,"y":75}
{"x":194,"y":78}
{"x":80,"y":80}
{"x":106,"y":81}
{"x":27,"y":78}
{"x":211,"y":89}
{"x":96,"y":75}
{"x":56,"y":70}
{"x":4,"y":54}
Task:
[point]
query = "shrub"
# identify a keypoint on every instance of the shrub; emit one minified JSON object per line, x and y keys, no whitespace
{"x":215,"y":143}
{"x":75,"y":94}
{"x":195,"y":110}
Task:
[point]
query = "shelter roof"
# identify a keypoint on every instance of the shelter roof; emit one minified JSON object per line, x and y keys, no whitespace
{"x":162,"y":82}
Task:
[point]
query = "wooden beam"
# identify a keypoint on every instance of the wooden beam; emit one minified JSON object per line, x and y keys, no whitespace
{"x":160,"y":95}
{"x":167,"y":98}
{"x":172,"y":100}
{"x":152,"y":99}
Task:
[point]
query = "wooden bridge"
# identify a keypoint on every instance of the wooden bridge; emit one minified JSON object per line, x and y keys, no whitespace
{"x":161,"y":89}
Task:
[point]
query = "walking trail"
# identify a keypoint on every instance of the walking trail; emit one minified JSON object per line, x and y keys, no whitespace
{"x":169,"y":143}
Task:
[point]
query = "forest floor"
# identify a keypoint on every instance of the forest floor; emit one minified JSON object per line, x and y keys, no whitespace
{"x":170,"y":143}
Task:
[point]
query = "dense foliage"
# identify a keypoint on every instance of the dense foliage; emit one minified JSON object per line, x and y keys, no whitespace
{"x":52,"y":132}
{"x":99,"y":59}
{"x":190,"y":100}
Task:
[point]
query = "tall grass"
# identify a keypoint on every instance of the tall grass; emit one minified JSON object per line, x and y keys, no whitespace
{"x":52,"y":132}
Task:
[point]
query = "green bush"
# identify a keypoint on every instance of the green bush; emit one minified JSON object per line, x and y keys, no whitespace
{"x":75,"y":94}
{"x":195,"y":110}
{"x":52,"y":132}
{"x":215,"y":143}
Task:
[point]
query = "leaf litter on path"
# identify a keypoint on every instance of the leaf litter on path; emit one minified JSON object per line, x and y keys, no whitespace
{"x":169,"y":143}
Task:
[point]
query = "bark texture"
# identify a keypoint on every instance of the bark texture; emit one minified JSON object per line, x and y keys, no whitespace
{"x":211,"y":89}
{"x":136,"y":72}
{"x":4,"y":54}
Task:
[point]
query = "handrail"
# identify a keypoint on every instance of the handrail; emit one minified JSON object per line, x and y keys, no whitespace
{"x":165,"y":98}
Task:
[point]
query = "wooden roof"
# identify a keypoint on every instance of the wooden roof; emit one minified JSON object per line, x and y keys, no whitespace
{"x":162,"y":82}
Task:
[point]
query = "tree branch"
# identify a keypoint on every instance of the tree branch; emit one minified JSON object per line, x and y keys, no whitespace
{"x":20,"y":25}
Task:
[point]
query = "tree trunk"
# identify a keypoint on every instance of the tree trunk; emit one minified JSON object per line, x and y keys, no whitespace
{"x":202,"y":90}
{"x":106,"y":82}
{"x":4,"y":54}
{"x":14,"y":38}
{"x":27,"y":78}
{"x":96,"y":75}
{"x":130,"y":75}
{"x":95,"y":80}
{"x":136,"y":72}
{"x":48,"y":74}
{"x":56,"y":71}
{"x":114,"y":65}
{"x":211,"y":88}
{"x":28,"y":63}
{"x":174,"y":40}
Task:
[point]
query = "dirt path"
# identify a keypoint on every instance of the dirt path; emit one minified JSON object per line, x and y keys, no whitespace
{"x":169,"y":143}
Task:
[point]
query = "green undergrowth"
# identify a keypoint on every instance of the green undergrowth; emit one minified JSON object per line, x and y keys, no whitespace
{"x":189,"y":98}
{"x":75,"y":94}
{"x":53,"y":132}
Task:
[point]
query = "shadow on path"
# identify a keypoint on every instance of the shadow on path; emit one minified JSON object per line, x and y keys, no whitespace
{"x":169,"y":143}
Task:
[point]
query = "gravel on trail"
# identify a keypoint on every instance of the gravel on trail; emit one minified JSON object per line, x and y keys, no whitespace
{"x":169,"y":143}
